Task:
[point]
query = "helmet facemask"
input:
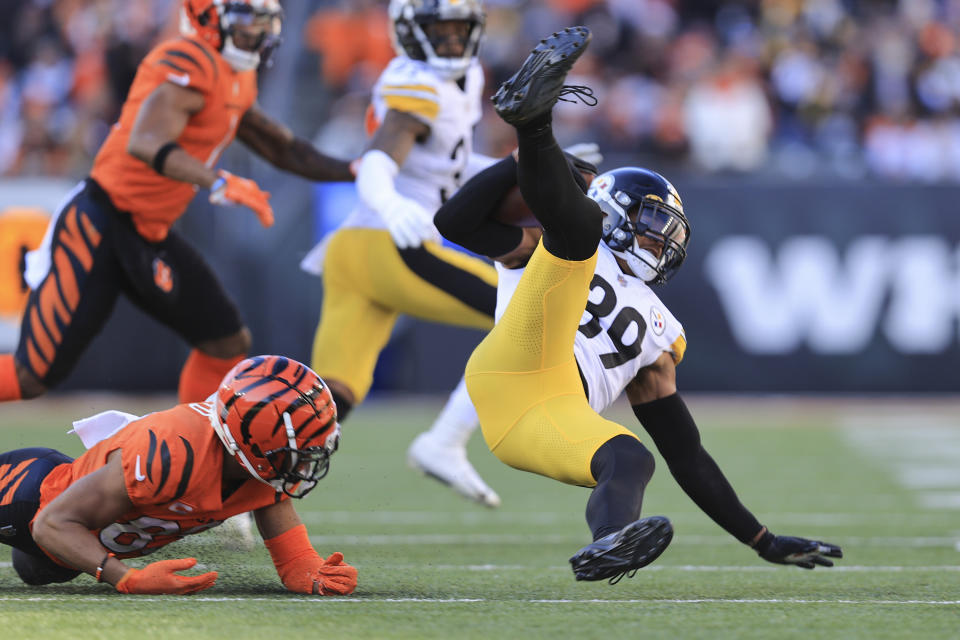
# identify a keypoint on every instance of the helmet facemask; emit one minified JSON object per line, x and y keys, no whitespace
{"x":625,"y":217}
{"x":277,"y":418}
{"x":241,"y":50}
{"x":299,"y":470}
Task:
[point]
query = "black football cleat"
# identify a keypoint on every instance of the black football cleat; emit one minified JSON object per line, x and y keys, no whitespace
{"x":535,"y":88}
{"x":623,"y":552}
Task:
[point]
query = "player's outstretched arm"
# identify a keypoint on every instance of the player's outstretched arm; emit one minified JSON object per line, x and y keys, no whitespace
{"x":799,"y":551}
{"x":300,"y":567}
{"x":665,"y":416}
{"x":63,"y":528}
{"x":278,"y":145}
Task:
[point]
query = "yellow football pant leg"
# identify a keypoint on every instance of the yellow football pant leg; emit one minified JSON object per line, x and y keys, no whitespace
{"x":523,"y":377}
{"x":366,"y":286}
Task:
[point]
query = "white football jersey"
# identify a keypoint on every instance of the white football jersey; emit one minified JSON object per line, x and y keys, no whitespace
{"x":624,"y":328}
{"x":434,"y":169}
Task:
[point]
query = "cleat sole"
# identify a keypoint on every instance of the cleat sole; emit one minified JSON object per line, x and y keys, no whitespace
{"x":636,"y":545}
{"x":534,"y":89}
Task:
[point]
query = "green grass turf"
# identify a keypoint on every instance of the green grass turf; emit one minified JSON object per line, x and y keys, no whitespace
{"x":435,"y":566}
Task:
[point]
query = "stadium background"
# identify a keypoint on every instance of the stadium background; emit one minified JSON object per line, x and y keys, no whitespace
{"x":816,"y":144}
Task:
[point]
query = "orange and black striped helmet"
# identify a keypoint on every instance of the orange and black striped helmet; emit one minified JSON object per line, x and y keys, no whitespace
{"x":216,"y":22}
{"x":278,"y":419}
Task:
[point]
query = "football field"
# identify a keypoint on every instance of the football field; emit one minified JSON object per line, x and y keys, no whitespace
{"x":880,"y":478}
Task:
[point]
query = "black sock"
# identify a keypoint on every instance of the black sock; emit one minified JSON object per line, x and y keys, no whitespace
{"x":343,"y":406}
{"x":571,"y":221}
{"x":539,"y":127}
{"x":622,"y":468}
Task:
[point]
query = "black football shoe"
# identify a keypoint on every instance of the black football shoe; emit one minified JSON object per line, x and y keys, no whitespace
{"x":623,"y":552}
{"x":535,"y":88}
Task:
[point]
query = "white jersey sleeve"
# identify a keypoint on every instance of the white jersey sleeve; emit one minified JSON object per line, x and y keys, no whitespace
{"x":408,"y":87}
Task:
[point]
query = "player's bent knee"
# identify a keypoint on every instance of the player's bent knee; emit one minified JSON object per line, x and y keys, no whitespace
{"x":623,"y":454}
{"x":36,"y":571}
{"x":237,"y":344}
{"x":30,"y":386}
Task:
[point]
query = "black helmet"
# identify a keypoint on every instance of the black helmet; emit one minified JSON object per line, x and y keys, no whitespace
{"x":639,"y":201}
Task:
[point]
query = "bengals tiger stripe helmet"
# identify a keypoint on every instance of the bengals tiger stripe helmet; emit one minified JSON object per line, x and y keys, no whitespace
{"x":278,"y":419}
{"x":214,"y":21}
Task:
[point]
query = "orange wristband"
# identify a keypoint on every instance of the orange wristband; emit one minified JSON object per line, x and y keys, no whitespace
{"x":756,"y":538}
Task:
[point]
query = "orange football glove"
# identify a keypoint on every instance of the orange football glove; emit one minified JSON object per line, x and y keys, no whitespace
{"x":335,"y":577}
{"x":231,"y":189}
{"x":161,"y":578}
{"x":302,"y":570}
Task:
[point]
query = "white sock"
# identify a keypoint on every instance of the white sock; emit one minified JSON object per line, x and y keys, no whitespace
{"x":457,"y":420}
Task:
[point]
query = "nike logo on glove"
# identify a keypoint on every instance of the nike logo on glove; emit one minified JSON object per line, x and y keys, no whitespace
{"x":136,"y":472}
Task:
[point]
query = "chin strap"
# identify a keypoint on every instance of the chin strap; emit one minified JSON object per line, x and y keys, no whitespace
{"x":641,"y":268}
{"x":238,"y":59}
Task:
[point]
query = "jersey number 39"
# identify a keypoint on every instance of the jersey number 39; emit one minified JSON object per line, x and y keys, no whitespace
{"x":618,"y":328}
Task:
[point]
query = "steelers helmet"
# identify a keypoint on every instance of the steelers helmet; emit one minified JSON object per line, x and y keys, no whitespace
{"x":410,"y":22}
{"x":637,"y":201}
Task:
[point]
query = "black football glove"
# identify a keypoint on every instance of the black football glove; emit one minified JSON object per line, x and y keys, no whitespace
{"x":799,"y":551}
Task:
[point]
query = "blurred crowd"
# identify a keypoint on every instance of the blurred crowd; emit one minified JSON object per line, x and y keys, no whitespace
{"x":65,"y":67}
{"x":797,"y":88}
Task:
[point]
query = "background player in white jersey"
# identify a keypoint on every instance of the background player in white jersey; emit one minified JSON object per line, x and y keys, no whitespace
{"x":386,"y":258}
{"x":580,"y":325}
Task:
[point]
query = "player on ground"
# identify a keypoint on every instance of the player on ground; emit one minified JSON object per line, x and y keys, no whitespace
{"x":386,"y":259}
{"x":265,"y":437}
{"x":190,"y":97}
{"x":578,"y":325}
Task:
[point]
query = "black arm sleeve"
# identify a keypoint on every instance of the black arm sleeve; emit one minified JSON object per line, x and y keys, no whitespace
{"x":669,"y":423}
{"x":466,"y":217}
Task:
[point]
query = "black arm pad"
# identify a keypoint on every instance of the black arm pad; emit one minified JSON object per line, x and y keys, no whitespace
{"x":674,"y":432}
{"x":466,"y":217}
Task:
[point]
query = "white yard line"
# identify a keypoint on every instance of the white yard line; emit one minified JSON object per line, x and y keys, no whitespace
{"x":667,"y":568}
{"x":556,"y":517}
{"x":922,"y":458}
{"x":539,"y":539}
{"x":939,"y":500}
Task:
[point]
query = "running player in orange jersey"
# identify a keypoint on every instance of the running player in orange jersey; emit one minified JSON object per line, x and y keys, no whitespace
{"x":265,"y":437}
{"x":190,"y":98}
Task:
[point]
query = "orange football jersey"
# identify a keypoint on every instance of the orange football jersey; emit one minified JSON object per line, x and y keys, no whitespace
{"x":172,"y":468}
{"x":154,"y":201}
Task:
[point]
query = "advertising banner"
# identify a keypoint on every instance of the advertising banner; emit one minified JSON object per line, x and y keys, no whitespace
{"x":806,"y":287}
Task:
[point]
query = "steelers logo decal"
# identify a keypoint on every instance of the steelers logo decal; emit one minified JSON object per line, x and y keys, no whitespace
{"x":600,"y":184}
{"x":658,"y":323}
